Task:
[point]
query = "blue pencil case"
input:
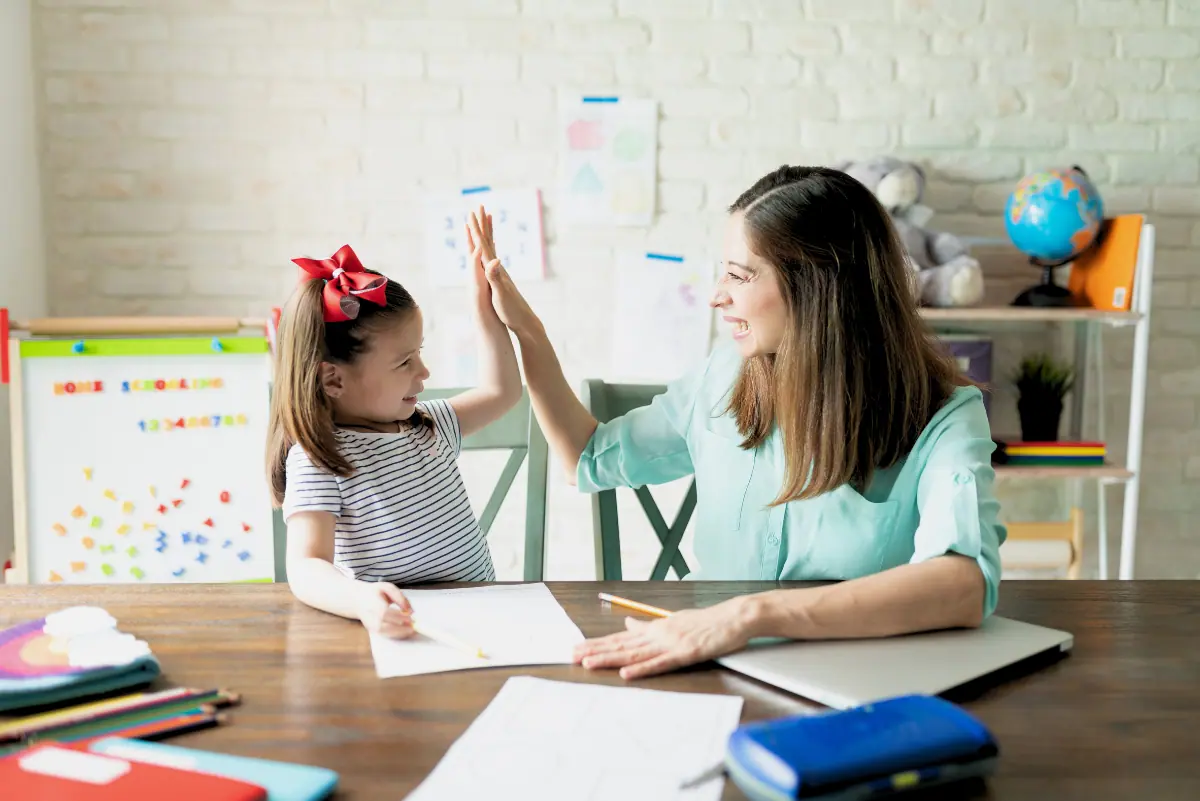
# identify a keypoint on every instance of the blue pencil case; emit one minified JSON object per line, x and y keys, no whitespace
{"x":74,"y":653}
{"x":873,"y":751}
{"x":283,"y":781}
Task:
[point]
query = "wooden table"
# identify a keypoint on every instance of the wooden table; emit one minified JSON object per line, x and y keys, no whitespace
{"x":1118,"y":718}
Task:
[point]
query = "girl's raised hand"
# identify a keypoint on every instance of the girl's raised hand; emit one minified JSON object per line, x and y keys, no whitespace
{"x":478,"y":240}
{"x":485,"y":236}
{"x":502,"y":294}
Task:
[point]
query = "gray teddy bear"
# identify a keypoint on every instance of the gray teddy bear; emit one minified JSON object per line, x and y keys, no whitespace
{"x":945,"y":274}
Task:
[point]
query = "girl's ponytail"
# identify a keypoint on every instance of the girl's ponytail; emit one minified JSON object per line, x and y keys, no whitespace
{"x":301,"y":412}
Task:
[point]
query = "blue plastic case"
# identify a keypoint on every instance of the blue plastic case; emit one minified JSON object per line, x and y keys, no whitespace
{"x":870,"y":751}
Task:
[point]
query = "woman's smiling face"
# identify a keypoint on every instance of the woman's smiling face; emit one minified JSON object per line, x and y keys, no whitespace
{"x":748,"y":294}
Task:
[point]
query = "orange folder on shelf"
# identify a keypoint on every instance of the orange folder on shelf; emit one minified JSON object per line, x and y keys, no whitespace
{"x":1103,"y":276}
{"x":62,"y":772}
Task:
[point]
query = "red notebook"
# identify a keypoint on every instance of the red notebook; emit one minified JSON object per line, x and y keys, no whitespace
{"x":69,"y":772}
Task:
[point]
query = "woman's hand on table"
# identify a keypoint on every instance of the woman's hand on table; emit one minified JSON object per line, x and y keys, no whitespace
{"x":647,"y":648}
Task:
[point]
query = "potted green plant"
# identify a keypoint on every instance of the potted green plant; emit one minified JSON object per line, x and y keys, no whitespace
{"x":1042,"y":383}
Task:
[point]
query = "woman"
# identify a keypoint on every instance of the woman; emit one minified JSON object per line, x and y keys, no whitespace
{"x":833,"y":440}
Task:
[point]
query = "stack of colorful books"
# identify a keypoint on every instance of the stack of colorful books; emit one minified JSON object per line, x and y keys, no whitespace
{"x":1049,"y":454}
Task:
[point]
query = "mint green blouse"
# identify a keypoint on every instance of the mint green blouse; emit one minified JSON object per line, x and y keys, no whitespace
{"x":937,"y":500}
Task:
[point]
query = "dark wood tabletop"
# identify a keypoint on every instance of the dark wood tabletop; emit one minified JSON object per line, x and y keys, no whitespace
{"x":1117,"y":719}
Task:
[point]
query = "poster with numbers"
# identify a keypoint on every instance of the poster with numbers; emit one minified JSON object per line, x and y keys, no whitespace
{"x":516,"y":228}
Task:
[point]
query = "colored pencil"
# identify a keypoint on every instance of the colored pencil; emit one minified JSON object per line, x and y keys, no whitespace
{"x":119,"y":724}
{"x":85,"y":710}
{"x":177,"y":725}
{"x":17,"y":727}
{"x":140,"y":703}
{"x":447,"y":639}
{"x":640,"y":607}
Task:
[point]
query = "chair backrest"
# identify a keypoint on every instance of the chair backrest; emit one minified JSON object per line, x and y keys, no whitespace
{"x":608,"y":401}
{"x":518,"y":432}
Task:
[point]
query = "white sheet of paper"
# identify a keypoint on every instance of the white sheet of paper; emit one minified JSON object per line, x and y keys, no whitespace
{"x":542,"y":739}
{"x":516,"y":228}
{"x":663,"y":323}
{"x":514,"y":624}
{"x":607,"y":166}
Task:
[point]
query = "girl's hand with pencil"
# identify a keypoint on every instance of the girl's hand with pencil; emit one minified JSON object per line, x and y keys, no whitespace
{"x":383,"y":609}
{"x":685,"y":638}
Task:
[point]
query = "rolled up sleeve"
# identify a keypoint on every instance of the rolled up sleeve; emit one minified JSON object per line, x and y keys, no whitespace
{"x":645,"y":446}
{"x":959,"y":512}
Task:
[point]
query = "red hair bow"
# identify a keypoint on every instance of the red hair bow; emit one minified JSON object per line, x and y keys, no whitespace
{"x":346,"y":283}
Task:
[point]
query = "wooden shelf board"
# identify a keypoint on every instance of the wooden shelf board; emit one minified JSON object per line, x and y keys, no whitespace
{"x":1027,"y":314}
{"x":1089,"y":471}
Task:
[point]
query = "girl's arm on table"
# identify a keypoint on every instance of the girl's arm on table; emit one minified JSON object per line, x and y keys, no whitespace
{"x":315,"y":580}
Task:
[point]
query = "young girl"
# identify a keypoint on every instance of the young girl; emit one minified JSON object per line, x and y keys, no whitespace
{"x":366,"y":473}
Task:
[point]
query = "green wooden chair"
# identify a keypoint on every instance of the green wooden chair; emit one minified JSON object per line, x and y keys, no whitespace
{"x":606,"y":402}
{"x":516,"y":431}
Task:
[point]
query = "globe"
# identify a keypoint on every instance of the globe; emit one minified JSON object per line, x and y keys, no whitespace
{"x":1054,"y":215}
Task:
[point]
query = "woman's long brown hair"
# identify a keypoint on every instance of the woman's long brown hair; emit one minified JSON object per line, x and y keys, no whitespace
{"x":301,"y":411}
{"x":858,"y":373}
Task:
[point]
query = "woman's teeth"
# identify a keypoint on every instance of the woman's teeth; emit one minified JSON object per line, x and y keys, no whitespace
{"x":741,"y":327}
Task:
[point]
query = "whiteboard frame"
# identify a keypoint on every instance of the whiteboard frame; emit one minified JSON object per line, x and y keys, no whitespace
{"x":19,"y":574}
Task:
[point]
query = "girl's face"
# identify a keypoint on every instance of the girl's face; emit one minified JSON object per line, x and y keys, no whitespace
{"x":382,"y":385}
{"x":748,"y":295}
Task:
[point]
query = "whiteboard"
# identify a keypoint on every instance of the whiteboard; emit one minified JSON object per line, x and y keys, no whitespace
{"x":143,"y":461}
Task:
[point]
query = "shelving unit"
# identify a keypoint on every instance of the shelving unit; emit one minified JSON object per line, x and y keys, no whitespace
{"x":1109,"y":472}
{"x":1088,"y":325}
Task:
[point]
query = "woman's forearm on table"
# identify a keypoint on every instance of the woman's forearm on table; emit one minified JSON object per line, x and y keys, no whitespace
{"x":946,"y":592}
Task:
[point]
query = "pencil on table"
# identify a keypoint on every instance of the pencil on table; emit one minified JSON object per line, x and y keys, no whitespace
{"x":176,"y":725}
{"x":115,"y":725}
{"x":13,"y":729}
{"x":447,"y":639}
{"x":172,"y":699}
{"x":654,"y":611}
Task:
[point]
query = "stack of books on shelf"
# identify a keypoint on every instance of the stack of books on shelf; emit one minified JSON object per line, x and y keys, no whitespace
{"x":1048,"y":454}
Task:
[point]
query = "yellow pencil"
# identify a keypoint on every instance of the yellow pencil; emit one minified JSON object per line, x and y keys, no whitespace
{"x":447,"y":639}
{"x":646,"y":608}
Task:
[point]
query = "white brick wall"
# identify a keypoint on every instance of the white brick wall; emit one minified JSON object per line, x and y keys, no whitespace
{"x":192,"y":142}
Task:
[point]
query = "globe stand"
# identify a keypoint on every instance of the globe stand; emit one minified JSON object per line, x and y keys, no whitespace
{"x":1047,"y":293}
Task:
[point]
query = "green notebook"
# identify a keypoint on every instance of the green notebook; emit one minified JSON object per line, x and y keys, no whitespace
{"x":73,"y":653}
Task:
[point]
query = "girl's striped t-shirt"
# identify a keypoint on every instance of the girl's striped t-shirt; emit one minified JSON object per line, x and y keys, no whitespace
{"x":404,"y":515}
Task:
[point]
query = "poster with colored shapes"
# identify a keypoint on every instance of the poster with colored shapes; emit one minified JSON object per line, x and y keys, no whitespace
{"x":516,"y":230}
{"x":608,"y":160}
{"x":143,"y":461}
{"x":663,"y":323}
